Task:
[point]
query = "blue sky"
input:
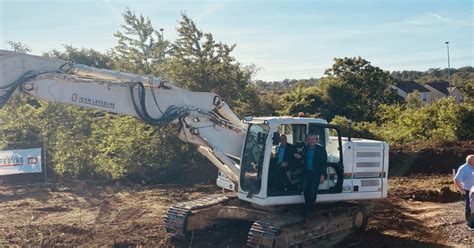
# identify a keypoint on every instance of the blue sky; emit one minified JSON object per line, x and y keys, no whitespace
{"x":284,"y":39}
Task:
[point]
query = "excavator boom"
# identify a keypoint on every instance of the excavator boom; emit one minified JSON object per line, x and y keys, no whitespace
{"x":204,"y":119}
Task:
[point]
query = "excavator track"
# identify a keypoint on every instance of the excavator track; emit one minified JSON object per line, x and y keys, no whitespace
{"x":262,"y":234}
{"x":176,"y":219}
{"x":272,"y":228}
{"x":325,"y":228}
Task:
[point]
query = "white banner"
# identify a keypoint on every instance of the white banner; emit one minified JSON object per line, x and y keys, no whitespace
{"x":20,"y":161}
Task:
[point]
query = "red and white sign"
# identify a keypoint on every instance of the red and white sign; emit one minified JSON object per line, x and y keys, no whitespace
{"x":20,"y":161}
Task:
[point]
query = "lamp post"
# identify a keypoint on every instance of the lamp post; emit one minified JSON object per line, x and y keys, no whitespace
{"x":449,"y":69}
{"x":162,"y":45}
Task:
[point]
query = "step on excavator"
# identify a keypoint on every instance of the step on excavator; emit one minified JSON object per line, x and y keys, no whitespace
{"x":243,"y":150}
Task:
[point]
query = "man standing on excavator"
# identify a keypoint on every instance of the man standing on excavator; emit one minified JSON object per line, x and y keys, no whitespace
{"x":464,"y":181}
{"x":314,"y":161}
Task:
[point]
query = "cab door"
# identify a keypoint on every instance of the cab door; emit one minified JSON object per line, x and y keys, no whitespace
{"x":329,"y":136}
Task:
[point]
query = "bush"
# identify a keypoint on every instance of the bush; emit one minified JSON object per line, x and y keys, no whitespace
{"x":359,"y":129}
{"x":441,"y":120}
{"x":88,"y":144}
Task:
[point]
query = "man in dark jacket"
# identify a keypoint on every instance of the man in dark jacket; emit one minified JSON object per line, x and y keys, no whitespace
{"x":314,"y":162}
{"x":285,"y":153}
{"x":284,"y":161}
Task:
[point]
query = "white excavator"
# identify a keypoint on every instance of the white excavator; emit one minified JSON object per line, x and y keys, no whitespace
{"x":243,"y":150}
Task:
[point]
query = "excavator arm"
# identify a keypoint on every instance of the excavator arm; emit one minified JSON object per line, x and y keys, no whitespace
{"x":202,"y":118}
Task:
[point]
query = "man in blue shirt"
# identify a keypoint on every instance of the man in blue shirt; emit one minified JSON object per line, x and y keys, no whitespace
{"x":464,"y":181}
{"x":314,"y":159}
{"x":281,"y":165}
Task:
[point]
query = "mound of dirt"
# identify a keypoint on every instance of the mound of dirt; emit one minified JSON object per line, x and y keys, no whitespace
{"x":431,"y":188}
{"x":428,"y":157}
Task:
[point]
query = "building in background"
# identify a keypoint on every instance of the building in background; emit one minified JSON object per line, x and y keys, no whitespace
{"x":404,"y":88}
{"x":441,"y":89}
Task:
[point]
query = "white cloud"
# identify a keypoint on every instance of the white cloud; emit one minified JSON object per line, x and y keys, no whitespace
{"x":210,"y":9}
{"x":432,"y":19}
{"x":435,"y":16}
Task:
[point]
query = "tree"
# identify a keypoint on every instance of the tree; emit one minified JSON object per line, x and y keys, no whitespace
{"x":354,"y":88}
{"x":83,"y":56}
{"x":468,"y":91}
{"x":140,"y":48}
{"x":301,"y":99}
{"x":413,"y":100}
{"x":198,"y":63}
{"x":19,"y":47}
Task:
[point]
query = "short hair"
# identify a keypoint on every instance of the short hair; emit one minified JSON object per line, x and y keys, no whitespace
{"x":283,"y":135}
{"x":312,"y":135}
{"x":469,"y":157}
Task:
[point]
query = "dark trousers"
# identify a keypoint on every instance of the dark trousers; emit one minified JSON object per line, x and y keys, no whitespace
{"x":310,"y":189}
{"x":467,"y":206}
{"x":278,"y":179}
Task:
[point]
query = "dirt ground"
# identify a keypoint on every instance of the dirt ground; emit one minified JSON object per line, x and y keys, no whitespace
{"x":421,"y":211}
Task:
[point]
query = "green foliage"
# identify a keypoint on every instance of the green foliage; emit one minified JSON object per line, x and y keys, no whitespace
{"x":413,"y":100}
{"x":458,"y":76}
{"x":18,"y":121}
{"x":359,"y":129}
{"x":67,"y":131}
{"x":83,"y":56}
{"x":301,"y":99}
{"x":64,"y":129}
{"x":19,"y":47}
{"x":198,"y":63}
{"x":442,"y":120}
{"x":141,"y":48}
{"x":352,"y":88}
{"x":468,"y":90}
{"x":127,"y":146}
{"x":269,"y":104}
{"x":284,"y":85}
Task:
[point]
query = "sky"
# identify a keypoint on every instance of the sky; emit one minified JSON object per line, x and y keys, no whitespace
{"x":283,"y":39}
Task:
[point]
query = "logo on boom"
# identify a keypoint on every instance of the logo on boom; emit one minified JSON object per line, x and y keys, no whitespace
{"x":92,"y":101}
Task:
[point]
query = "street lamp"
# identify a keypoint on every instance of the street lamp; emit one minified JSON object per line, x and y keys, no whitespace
{"x":449,"y":69}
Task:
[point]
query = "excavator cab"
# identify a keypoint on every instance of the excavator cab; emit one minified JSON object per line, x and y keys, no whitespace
{"x":356,"y":168}
{"x":265,"y":182}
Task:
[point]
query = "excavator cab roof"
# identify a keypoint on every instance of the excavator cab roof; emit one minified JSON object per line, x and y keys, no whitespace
{"x":272,"y":120}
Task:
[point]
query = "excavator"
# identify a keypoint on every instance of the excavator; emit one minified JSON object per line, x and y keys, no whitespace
{"x":243,"y":150}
